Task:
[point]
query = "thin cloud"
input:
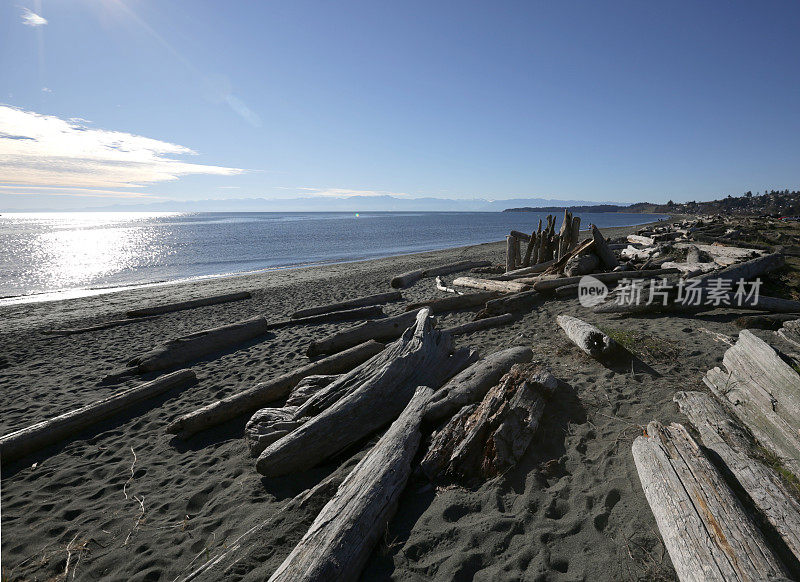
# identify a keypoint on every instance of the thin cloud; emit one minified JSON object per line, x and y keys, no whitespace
{"x":346,"y":192}
{"x":46,"y":90}
{"x":30,"y":18}
{"x":45,"y":150}
{"x":16,"y":190}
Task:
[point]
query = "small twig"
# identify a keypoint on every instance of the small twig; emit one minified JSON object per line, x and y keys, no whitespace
{"x":138,"y":520}
{"x":69,"y":556}
{"x":125,"y":487}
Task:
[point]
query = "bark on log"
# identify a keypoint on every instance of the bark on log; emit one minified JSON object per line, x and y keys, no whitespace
{"x":588,"y":338}
{"x":517,"y":273}
{"x":491,"y":285}
{"x":765,"y":394}
{"x":641,"y":240}
{"x":265,"y":392}
{"x":581,"y":265}
{"x":471,"y":385}
{"x":27,"y":440}
{"x":98,"y":327}
{"x":480,"y":324}
{"x":412,"y":277}
{"x":707,"y":532}
{"x":376,"y":299}
{"x":510,"y":303}
{"x":379,"y":330}
{"x":445,"y":304}
{"x":180,"y":306}
{"x":606,"y":255}
{"x":490,"y":438}
{"x":342,"y":537}
{"x":366,"y":399}
{"x":736,"y":448}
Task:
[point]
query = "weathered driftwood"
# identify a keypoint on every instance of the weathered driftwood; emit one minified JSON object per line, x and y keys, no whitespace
{"x":707,"y":532}
{"x":366,"y":399}
{"x":472,"y":384}
{"x":567,"y":291}
{"x":585,"y":247}
{"x":726,"y":300}
{"x":445,"y":304}
{"x":588,"y":338}
{"x":631,"y":253}
{"x":32,"y":438}
{"x":97,"y":327}
{"x":510,"y":303}
{"x":480,"y":324}
{"x":765,"y":394}
{"x":491,"y":285}
{"x":547,"y":285}
{"x":441,"y":285}
{"x":606,"y":255}
{"x":309,"y":386}
{"x":740,"y":254}
{"x":749,"y":269}
{"x":412,"y":277}
{"x":691,"y":269}
{"x":180,"y":306}
{"x":641,"y":240}
{"x":581,"y":265}
{"x":376,"y":299}
{"x":185,"y":349}
{"x":517,"y":273}
{"x":487,"y":439}
{"x":341,"y":539}
{"x":378,"y":330}
{"x":265,"y":392}
{"x":790,"y":331}
{"x":367,"y":312}
{"x":772,"y":321}
{"x":511,"y":260}
{"x":736,"y":448}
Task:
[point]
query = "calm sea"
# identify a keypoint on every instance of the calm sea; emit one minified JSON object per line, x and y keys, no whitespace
{"x":56,"y":255}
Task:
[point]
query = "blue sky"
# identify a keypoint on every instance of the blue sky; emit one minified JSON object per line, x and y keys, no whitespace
{"x":118,"y":101}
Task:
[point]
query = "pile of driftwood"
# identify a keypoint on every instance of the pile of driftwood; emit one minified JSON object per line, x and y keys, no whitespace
{"x":542,"y":245}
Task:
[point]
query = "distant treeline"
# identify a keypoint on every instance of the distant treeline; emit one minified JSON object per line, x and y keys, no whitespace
{"x":573,"y":209}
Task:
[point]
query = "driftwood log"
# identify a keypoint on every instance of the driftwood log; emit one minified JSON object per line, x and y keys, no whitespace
{"x":547,"y":285}
{"x":749,"y":269}
{"x":171,"y":307}
{"x":585,"y":247}
{"x":486,"y":439}
{"x":480,"y":324}
{"x":367,"y":312}
{"x":377,"y":299}
{"x":97,"y":327}
{"x":773,"y":321}
{"x":602,"y":250}
{"x":581,"y":265}
{"x":472,"y":384}
{"x":588,"y":338}
{"x":511,"y":258}
{"x":445,"y":304}
{"x":737,"y":449}
{"x":366,"y":399}
{"x":707,"y":532}
{"x":342,"y":537}
{"x":525,"y":271}
{"x":641,"y":240}
{"x":379,"y":330}
{"x":32,"y":438}
{"x":491,"y":284}
{"x":510,"y":303}
{"x":265,"y":392}
{"x":412,"y":277}
{"x":790,"y":331}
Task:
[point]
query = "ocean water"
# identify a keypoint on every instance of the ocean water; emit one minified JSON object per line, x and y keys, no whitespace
{"x":54,"y":255}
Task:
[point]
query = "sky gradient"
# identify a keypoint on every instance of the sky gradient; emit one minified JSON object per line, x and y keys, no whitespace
{"x":119,"y":101}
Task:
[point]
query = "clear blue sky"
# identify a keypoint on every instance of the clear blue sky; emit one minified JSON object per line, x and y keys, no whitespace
{"x":622,"y":101}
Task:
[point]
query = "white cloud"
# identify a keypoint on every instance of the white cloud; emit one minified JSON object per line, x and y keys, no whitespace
{"x":30,"y":18}
{"x":44,"y":150}
{"x":46,"y":90}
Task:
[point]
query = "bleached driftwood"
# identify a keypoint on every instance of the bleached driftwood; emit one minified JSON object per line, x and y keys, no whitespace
{"x":97,"y":327}
{"x":491,"y":285}
{"x":376,"y":299}
{"x":547,"y":285}
{"x":309,"y":386}
{"x":366,"y":399}
{"x":442,"y":286}
{"x":740,"y":254}
{"x":445,"y":304}
{"x":511,"y":260}
{"x":265,"y":392}
{"x":585,"y":247}
{"x":736,"y":448}
{"x":32,"y":438}
{"x":749,"y":269}
{"x":378,"y":330}
{"x":588,"y":338}
{"x":480,"y":324}
{"x":707,"y":532}
{"x":180,"y":306}
{"x":581,"y":265}
{"x":511,"y":303}
{"x":412,"y":277}
{"x":339,"y":542}
{"x":367,"y":312}
{"x":486,"y":439}
{"x":765,"y":394}
{"x":525,"y":271}
{"x":641,"y":240}
{"x":631,"y":253}
{"x":471,"y":385}
{"x":790,"y":331}
{"x":691,"y":269}
{"x":601,"y":249}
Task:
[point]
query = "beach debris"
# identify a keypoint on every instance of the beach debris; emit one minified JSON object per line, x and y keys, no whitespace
{"x":442,"y":286}
{"x":765,"y":394}
{"x":386,"y":329}
{"x":588,"y":338}
{"x":705,"y":529}
{"x":510,"y":303}
{"x":647,"y":241}
{"x":407,"y":279}
{"x":483,"y":440}
{"x":581,"y":265}
{"x":367,"y":398}
{"x":791,"y":332}
{"x":97,"y":327}
{"x":445,"y":304}
{"x":30,"y":439}
{"x":543,"y":246}
{"x":525,"y":271}
{"x":491,"y":284}
{"x":268,"y":391}
{"x":736,"y":448}
{"x":772,"y":321}
{"x":602,"y":250}
{"x":341,"y":539}
{"x":479,"y":324}
{"x":549,"y":285}
{"x":376,"y":299}
{"x":470,"y":385}
{"x":181,"y":305}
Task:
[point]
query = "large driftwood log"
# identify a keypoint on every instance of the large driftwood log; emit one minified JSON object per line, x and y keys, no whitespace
{"x":32,"y":438}
{"x":607,"y":256}
{"x":736,"y":448}
{"x":377,"y":299}
{"x":487,"y":439}
{"x":547,"y":285}
{"x":585,"y":247}
{"x":265,"y":392}
{"x":524,"y":272}
{"x":412,"y":277}
{"x":790,"y":331}
{"x":737,"y":253}
{"x":472,"y":384}
{"x":641,"y":240}
{"x":171,"y":307}
{"x":479,"y":324}
{"x":97,"y":327}
{"x":445,"y":304}
{"x":765,"y":394}
{"x":588,"y":338}
{"x":341,"y":539}
{"x":366,"y":399}
{"x":707,"y":532}
{"x":367,"y":312}
{"x":379,"y":330}
{"x":491,"y":285}
{"x":309,"y":386}
{"x":772,"y":322}
{"x":510,"y":303}
{"x":748,"y":270}
{"x":581,"y":265}
{"x":511,"y":257}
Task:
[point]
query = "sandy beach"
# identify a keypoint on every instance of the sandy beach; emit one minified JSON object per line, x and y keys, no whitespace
{"x":126,"y":501}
